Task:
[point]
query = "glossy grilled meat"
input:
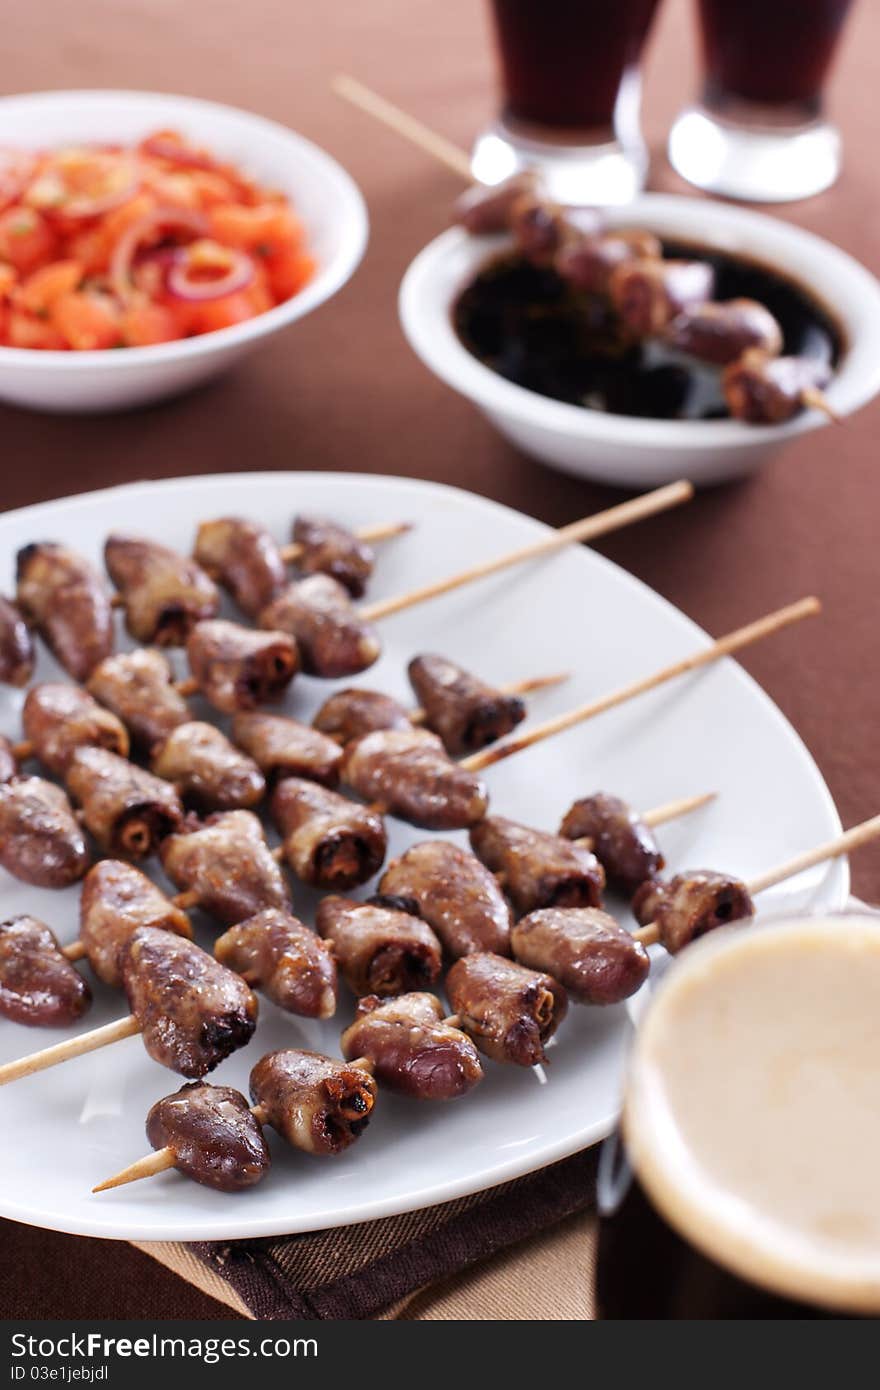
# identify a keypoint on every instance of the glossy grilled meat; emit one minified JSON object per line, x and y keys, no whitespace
{"x":192,"y":1011}
{"x":209,"y":772}
{"x":244,"y":558}
{"x":116,"y":899}
{"x":40,"y":839}
{"x":65,"y":599}
{"x":587,"y":263}
{"x":214,"y":1137}
{"x":139,"y":687}
{"x":8,"y":760}
{"x":38,"y":984}
{"x":465,"y":711}
{"x":619,"y":838}
{"x":17,"y":654}
{"x":411,"y":1049}
{"x":328,"y":840}
{"x":586,"y":950}
{"x":317,"y":1103}
{"x":59,"y":718}
{"x":508,"y":1010}
{"x":228,"y":864}
{"x":284,"y":959}
{"x":409,"y":773}
{"x":481,"y":210}
{"x":721,"y":332}
{"x":329,"y":548}
{"x":765,"y":390}
{"x":691,"y":904}
{"x":536,"y":869}
{"x":165,"y":594}
{"x":454,"y":893}
{"x":332,"y":639}
{"x":380,"y":950}
{"x":649,"y":293}
{"x":283,"y":747}
{"x":127,"y":810}
{"x":238,"y":668}
{"x":351,"y":713}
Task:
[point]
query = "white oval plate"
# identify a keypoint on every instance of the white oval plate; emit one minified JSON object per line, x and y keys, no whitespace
{"x":70,"y":1127}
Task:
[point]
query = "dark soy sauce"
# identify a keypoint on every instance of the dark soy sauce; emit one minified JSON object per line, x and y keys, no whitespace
{"x":527,"y":325}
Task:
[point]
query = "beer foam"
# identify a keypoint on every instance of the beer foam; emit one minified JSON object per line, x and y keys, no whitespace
{"x":752,"y":1115}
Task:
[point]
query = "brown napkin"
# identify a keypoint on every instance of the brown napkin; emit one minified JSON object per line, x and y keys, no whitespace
{"x":377,"y":1268}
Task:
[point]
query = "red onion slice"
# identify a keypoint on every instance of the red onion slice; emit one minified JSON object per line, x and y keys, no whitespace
{"x":161,"y":219}
{"x":177,"y":152}
{"x":183,"y":285}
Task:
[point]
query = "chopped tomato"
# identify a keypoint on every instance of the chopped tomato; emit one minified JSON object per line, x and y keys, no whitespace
{"x":146,"y":323}
{"x":26,"y":240}
{"x":43,"y":287}
{"x":87,"y":319}
{"x":8,"y":280}
{"x":28,"y":331}
{"x":265,"y":227}
{"x":288,"y":271}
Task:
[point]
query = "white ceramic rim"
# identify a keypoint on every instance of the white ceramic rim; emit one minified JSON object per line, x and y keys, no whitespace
{"x":327,"y":281}
{"x":446,"y":264}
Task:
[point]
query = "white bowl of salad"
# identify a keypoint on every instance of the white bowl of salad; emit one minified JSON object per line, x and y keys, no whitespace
{"x":147,"y":242}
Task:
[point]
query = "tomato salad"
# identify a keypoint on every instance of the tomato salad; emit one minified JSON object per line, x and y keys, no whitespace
{"x":106,"y":247}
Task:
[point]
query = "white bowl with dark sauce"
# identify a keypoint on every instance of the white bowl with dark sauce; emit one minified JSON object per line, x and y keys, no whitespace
{"x":657,"y":419}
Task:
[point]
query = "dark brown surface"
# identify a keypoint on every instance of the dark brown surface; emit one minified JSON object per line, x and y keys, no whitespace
{"x":342,"y":390}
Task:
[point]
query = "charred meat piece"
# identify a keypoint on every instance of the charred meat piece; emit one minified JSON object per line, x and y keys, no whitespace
{"x":64,"y":598}
{"x":165,"y":594}
{"x":380,"y":950}
{"x":40,"y":839}
{"x":587,"y":263}
{"x":766,"y":390}
{"x":536,"y":869}
{"x":328,"y":840}
{"x":38,"y":984}
{"x":483,"y":209}
{"x":244,"y":558}
{"x":332,"y":639}
{"x":17,"y":654}
{"x":283,"y":747}
{"x":411,"y":1049}
{"x":691,"y":904}
{"x":411,"y":775}
{"x":721,"y":332}
{"x":209,"y":772}
{"x":623,"y":844}
{"x":586,"y":950}
{"x":59,"y":718}
{"x":317,"y":1103}
{"x":128,"y":811}
{"x":277,"y":954}
{"x":116,"y":899}
{"x":649,"y":294}
{"x":329,"y":548}
{"x":454,"y":893}
{"x":508,"y":1010}
{"x":213,"y":1135}
{"x":228,"y":864}
{"x":139,"y":688}
{"x":237,"y":668}
{"x":351,"y":713}
{"x":539,"y":228}
{"x":192,"y":1011}
{"x":8,"y":760}
{"x":465,"y":712}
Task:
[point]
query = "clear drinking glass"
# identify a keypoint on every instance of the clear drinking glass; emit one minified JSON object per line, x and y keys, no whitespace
{"x":571,"y":96}
{"x":758,"y":131}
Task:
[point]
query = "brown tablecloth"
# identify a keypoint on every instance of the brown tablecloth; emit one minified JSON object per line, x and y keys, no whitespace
{"x":342,"y":390}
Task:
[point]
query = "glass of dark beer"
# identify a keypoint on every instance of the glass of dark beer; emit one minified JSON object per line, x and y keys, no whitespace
{"x":743,"y":1180}
{"x":758,"y":131}
{"x":570,"y":97}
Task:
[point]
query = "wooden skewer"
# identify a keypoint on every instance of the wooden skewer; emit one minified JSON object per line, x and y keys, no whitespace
{"x":814,"y":398}
{"x":73,"y":1047}
{"x":523,"y":687}
{"x":396,"y":119}
{"x":725,"y":646}
{"x":587,"y":529}
{"x":859,"y":835}
{"x":660,"y":815}
{"x":384,"y":531}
